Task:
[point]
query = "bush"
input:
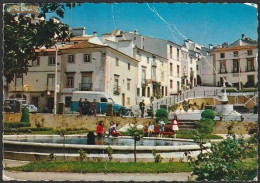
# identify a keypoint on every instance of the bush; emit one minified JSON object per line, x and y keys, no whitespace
{"x":208,"y":114}
{"x":223,"y":162}
{"x":204,"y":127}
{"x":16,"y":125}
{"x":162,"y":113}
{"x":25,"y":115}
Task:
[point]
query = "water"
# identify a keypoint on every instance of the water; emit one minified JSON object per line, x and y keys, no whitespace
{"x":109,"y":141}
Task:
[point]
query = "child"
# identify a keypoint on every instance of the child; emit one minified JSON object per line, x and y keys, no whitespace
{"x":150,"y":129}
{"x":161,"y":127}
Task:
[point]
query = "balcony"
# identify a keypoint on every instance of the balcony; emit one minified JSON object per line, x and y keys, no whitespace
{"x":250,"y":69}
{"x":49,"y":88}
{"x":16,"y":88}
{"x":117,"y":90}
{"x":154,"y":64}
{"x":85,"y":86}
{"x":235,"y":70}
{"x":221,"y":71}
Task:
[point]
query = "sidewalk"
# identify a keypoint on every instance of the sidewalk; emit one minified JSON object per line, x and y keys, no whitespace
{"x":53,"y":176}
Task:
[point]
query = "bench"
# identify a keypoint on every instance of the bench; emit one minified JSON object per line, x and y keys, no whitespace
{"x":167,"y":130}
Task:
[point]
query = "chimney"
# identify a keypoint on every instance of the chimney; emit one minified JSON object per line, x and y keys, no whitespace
{"x":78,"y":31}
{"x":225,"y":45}
{"x":243,"y":36}
{"x":95,"y":33}
{"x":210,"y":46}
{"x":135,"y":31}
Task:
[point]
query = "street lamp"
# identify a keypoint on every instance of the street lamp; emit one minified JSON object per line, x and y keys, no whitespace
{"x":239,"y":69}
{"x":55,"y":81}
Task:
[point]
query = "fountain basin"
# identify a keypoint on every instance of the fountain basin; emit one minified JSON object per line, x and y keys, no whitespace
{"x":15,"y":148}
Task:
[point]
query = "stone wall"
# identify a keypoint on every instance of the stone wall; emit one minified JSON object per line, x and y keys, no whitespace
{"x":73,"y":121}
{"x":238,"y":127}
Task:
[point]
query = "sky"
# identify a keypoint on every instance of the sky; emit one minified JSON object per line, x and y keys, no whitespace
{"x":205,"y":24}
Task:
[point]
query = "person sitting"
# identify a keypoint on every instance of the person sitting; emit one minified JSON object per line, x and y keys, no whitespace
{"x":100,"y":130}
{"x":114,"y":132}
{"x":111,"y":128}
{"x":150,"y":129}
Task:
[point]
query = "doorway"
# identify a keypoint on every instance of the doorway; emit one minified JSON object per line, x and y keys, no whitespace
{"x":35,"y":101}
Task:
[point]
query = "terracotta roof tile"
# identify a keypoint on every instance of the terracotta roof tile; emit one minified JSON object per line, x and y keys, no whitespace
{"x":234,"y":48}
{"x":80,"y":38}
{"x":82,"y":45}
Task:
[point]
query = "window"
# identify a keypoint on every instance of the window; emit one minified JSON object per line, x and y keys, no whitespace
{"x":103,"y":99}
{"x":51,"y":60}
{"x":70,"y":58}
{"x":235,"y":53}
{"x":143,"y":91}
{"x":147,"y":60}
{"x":235,"y":65}
{"x":197,"y":67}
{"x":87,"y":58}
{"x":67,"y":101}
{"x":222,"y":67}
{"x":178,"y":70}
{"x":70,"y":81}
{"x":134,"y":38}
{"x":19,"y":80}
{"x":50,"y":81}
{"x":86,"y":81}
{"x":171,"y":69}
{"x":128,"y":84}
{"x":129,"y":66}
{"x":190,"y":60}
{"x":148,"y":91}
{"x":128,"y":101}
{"x":250,"y":64}
{"x":222,"y":55}
{"x":249,"y":52}
{"x":138,"y":91}
{"x":36,"y":62}
{"x":171,"y":50}
{"x":171,"y":84}
{"x":116,"y":85}
{"x":178,"y":54}
{"x":117,"y":62}
{"x":154,"y":73}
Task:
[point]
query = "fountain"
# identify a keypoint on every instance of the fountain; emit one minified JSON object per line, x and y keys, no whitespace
{"x":226,"y":109}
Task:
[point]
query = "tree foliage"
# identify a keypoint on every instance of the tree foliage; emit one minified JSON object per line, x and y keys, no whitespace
{"x":208,"y":114}
{"x":25,"y":115}
{"x":162,"y":113}
{"x":222,"y":162}
{"x":22,"y":35}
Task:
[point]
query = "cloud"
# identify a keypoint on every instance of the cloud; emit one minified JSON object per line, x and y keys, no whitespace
{"x":251,"y":4}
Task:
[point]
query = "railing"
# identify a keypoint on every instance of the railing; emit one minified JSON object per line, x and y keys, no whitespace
{"x":16,"y":88}
{"x":178,"y":98}
{"x":221,"y":71}
{"x":85,"y":86}
{"x":49,"y":88}
{"x":117,"y":90}
{"x":235,"y":70}
{"x":250,"y":69}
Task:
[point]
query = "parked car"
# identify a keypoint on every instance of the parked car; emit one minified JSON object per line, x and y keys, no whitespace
{"x":32,"y":108}
{"x":11,"y":105}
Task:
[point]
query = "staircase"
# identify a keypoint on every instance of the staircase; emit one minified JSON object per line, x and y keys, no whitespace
{"x":186,"y":124}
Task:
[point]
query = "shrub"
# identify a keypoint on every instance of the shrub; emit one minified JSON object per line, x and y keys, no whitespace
{"x":208,"y":114}
{"x":110,"y":153}
{"x":162,"y":113}
{"x":82,"y":154}
{"x":204,"y":127}
{"x":25,"y":115}
{"x":16,"y":124}
{"x":223,"y":160}
{"x":157,"y":157}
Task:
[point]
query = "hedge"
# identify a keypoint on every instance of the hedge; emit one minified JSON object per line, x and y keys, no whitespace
{"x":16,"y":124}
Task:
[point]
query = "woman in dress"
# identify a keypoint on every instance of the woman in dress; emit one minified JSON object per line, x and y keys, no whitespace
{"x":175,"y":125}
{"x":150,"y":129}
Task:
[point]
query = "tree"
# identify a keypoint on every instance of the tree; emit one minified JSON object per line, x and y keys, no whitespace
{"x":25,"y":115}
{"x":22,"y":36}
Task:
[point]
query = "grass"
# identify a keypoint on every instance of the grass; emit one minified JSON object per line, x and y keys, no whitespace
{"x":107,"y":167}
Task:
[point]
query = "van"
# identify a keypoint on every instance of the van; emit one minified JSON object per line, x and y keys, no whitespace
{"x":12,"y":105}
{"x":102,"y":100}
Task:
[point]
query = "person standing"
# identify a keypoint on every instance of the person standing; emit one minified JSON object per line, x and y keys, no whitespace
{"x":161,"y":127}
{"x":94,"y":105}
{"x":86,"y":107}
{"x":80,"y":106}
{"x":175,"y":125}
{"x":141,"y":106}
{"x":150,"y":129}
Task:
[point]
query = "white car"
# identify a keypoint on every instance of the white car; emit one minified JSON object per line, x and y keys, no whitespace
{"x":32,"y":108}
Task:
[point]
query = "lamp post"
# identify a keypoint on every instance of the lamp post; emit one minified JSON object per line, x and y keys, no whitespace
{"x":55,"y":80}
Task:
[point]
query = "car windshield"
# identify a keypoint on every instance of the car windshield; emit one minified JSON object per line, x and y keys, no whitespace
{"x":110,"y":100}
